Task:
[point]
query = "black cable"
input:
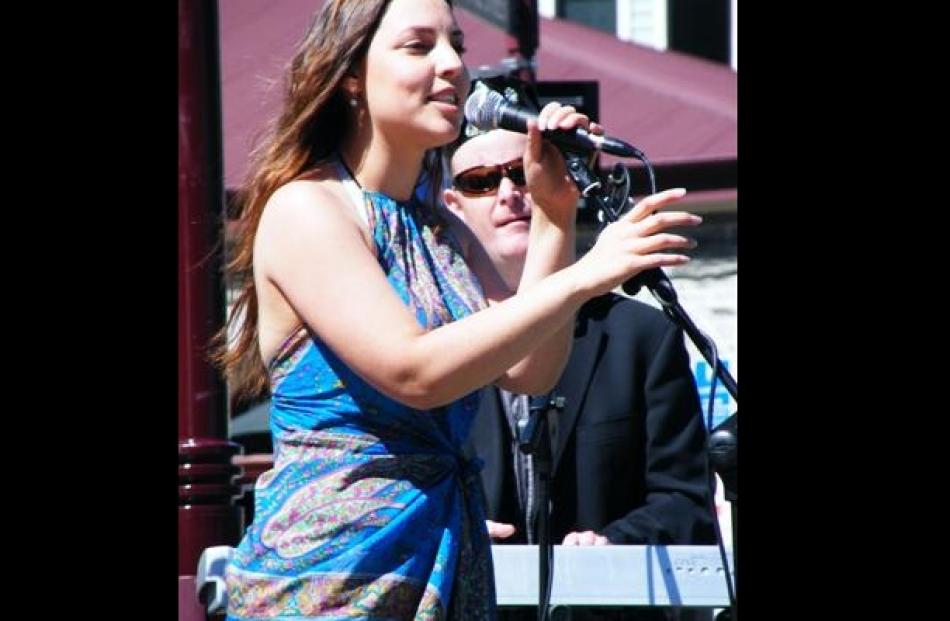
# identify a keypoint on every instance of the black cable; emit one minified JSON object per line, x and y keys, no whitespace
{"x":715,"y":378}
{"x":712,"y":500}
{"x":649,"y":167}
{"x":620,"y":175}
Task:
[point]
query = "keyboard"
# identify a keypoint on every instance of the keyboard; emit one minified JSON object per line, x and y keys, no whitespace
{"x":615,"y":576}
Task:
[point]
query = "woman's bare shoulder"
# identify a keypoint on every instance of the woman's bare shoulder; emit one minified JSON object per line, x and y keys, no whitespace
{"x":306,"y":201}
{"x":305,"y":217}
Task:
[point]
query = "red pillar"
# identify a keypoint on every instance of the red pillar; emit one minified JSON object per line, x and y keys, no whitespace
{"x":207,"y":514}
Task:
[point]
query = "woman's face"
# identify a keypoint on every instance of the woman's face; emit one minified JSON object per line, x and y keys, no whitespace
{"x":414,"y":79}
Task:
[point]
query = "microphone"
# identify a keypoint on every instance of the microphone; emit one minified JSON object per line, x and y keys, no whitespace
{"x":487,"y":109}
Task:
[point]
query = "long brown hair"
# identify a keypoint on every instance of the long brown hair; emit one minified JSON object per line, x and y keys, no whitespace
{"x":308,"y":130}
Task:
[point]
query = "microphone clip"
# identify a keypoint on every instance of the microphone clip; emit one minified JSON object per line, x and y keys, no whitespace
{"x":577,"y":168}
{"x":610,"y":198}
{"x":530,"y":427}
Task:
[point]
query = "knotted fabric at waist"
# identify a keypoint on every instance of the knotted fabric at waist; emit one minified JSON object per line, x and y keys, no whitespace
{"x":423,"y":463}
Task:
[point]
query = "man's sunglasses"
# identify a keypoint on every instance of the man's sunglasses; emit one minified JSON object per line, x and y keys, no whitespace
{"x":483,"y":180}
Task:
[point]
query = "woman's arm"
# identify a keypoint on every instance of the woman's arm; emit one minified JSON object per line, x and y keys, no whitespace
{"x":550,"y":249}
{"x":551,"y":244}
{"x":310,"y":246}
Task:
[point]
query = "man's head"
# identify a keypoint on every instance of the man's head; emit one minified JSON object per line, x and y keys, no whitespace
{"x":487,"y":192}
{"x":488,"y":195}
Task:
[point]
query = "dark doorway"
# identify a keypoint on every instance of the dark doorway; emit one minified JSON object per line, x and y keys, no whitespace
{"x":599,"y":14}
{"x":700,"y":28}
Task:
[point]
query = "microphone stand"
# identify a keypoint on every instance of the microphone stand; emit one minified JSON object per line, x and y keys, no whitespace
{"x":534,"y":439}
{"x":723,"y":438}
{"x":722,"y":441}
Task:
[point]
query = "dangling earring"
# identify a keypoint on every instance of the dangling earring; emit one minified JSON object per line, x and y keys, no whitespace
{"x":354,"y":102}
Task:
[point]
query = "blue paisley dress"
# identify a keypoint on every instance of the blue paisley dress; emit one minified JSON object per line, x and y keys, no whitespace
{"x":370,"y":511}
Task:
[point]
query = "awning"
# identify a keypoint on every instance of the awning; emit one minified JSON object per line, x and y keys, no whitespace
{"x":679,"y":110}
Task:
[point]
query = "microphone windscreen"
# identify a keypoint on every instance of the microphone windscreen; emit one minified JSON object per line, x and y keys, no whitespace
{"x":481,"y":107}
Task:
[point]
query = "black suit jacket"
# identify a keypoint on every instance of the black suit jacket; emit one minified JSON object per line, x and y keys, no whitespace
{"x":629,"y":459}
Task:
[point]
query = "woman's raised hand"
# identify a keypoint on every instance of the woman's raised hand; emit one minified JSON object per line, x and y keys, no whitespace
{"x":551,"y":187}
{"x":636,"y":242}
